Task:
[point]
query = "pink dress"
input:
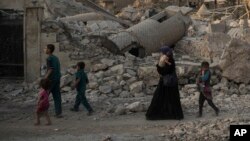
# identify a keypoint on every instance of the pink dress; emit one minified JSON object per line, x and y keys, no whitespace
{"x":43,"y":103}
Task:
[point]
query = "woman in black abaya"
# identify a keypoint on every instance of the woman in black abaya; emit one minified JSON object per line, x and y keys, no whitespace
{"x":165,"y":103}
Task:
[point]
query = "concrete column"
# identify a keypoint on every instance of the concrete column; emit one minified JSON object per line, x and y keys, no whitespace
{"x":150,"y":34}
{"x":32,"y":48}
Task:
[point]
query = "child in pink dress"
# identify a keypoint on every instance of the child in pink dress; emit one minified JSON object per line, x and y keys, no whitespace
{"x":43,"y":102}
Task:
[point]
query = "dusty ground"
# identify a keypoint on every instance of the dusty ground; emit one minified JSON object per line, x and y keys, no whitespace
{"x":78,"y":126}
{"x":16,"y":123}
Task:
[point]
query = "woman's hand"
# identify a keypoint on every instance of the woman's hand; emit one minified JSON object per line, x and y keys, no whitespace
{"x":162,"y":61}
{"x":163,"y":58}
{"x":167,"y":60}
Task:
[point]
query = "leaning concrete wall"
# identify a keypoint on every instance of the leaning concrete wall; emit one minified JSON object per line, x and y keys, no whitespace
{"x":151,"y":33}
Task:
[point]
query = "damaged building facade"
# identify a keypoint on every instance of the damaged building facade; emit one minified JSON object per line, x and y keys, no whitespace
{"x":142,"y":38}
{"x":21,"y":45}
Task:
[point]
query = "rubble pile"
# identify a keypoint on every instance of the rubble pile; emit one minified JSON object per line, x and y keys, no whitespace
{"x":62,"y":8}
{"x":124,"y":83}
{"x":216,"y":129}
{"x":130,"y":13}
{"x":79,"y":40}
{"x":212,"y":40}
{"x":135,"y":15}
{"x":235,"y":61}
{"x":128,"y":82}
{"x":142,"y":9}
{"x":132,"y":79}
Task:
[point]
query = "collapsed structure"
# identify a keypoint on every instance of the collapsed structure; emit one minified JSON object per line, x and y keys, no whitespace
{"x":80,"y":29}
{"x":149,"y":35}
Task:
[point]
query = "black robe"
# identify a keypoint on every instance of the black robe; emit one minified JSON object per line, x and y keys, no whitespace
{"x":165,"y":103}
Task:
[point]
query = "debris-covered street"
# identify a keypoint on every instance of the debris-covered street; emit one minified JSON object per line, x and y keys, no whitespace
{"x":120,"y":42}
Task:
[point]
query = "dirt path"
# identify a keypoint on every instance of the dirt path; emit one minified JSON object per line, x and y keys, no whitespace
{"x":78,"y":126}
{"x":16,"y":121}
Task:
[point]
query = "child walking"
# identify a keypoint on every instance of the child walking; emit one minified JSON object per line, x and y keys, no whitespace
{"x":80,"y":84}
{"x":43,"y":102}
{"x":203,"y":82}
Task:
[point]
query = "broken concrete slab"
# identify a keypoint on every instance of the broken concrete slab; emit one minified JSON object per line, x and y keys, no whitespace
{"x":99,"y":67}
{"x":83,"y":17}
{"x":218,"y":27}
{"x":108,"y":62}
{"x":216,"y":43}
{"x":135,"y":107}
{"x":175,"y":9}
{"x":235,"y":62}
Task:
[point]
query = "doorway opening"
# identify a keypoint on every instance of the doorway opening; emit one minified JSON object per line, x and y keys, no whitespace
{"x":11,"y":44}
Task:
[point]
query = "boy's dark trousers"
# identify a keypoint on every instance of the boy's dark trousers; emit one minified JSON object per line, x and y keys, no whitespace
{"x":55,"y":90}
{"x":81,"y":98}
{"x":202,"y":99}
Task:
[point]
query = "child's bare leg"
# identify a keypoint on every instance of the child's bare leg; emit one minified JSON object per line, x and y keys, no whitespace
{"x":47,"y":118}
{"x":37,"y":118}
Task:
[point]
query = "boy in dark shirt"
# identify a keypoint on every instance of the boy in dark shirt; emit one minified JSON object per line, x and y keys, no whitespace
{"x":53,"y":74}
{"x":204,"y":87}
{"x":80,"y":84}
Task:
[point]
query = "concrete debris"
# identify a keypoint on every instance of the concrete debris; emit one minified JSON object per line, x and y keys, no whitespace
{"x":105,"y":89}
{"x":16,"y":92}
{"x":175,"y":9}
{"x":217,"y":42}
{"x":108,"y":138}
{"x":203,"y":11}
{"x":108,"y":62}
{"x":235,"y":62}
{"x":8,"y":88}
{"x":136,"y":87}
{"x":120,"y":110}
{"x":98,"y":67}
{"x":145,"y":30}
{"x":194,"y":46}
{"x":131,"y":14}
{"x":234,"y":24}
{"x":149,"y":75}
{"x":105,"y":25}
{"x":235,"y":33}
{"x":218,"y":27}
{"x":135,"y":107}
{"x":66,"y":80}
{"x":83,"y":17}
